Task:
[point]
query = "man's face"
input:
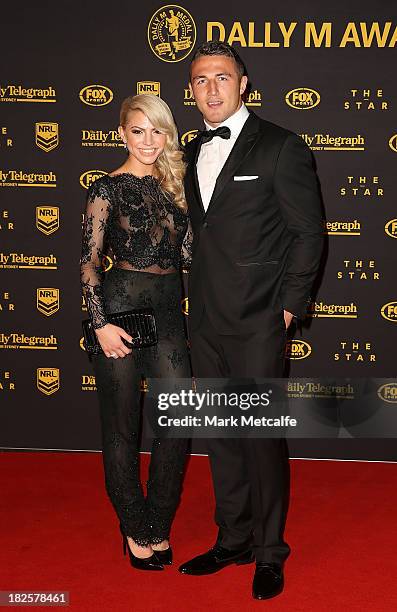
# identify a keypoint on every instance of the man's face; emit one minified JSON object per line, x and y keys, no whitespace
{"x":217,"y":87}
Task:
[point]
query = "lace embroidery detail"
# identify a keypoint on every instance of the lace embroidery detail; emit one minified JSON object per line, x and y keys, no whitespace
{"x":133,"y":219}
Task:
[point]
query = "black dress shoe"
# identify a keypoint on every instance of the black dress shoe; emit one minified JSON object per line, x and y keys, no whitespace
{"x":164,"y":556}
{"x":214,"y":560}
{"x":268,"y":580}
{"x":148,"y":563}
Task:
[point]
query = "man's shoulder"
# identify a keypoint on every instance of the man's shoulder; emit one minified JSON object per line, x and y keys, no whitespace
{"x":189,"y":147}
{"x":272,"y":130}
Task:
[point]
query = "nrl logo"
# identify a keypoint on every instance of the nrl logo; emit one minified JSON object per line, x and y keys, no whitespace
{"x":47,"y":300}
{"x":148,"y":87}
{"x":47,"y":136}
{"x":48,"y":380}
{"x":47,"y":219}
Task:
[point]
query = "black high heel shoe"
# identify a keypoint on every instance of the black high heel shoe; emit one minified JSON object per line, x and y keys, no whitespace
{"x":164,"y":556}
{"x":148,"y":563}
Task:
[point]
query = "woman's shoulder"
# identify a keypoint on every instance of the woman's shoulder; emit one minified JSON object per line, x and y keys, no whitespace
{"x":101,"y":188}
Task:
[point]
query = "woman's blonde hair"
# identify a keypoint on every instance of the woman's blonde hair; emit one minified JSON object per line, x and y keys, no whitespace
{"x":169,"y":166}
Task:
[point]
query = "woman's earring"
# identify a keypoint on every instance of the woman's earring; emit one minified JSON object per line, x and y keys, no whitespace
{"x":125,"y":145}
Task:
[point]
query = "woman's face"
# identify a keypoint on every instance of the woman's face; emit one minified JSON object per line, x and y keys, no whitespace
{"x":144,"y":142}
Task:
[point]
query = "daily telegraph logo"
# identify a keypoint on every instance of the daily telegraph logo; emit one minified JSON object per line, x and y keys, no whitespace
{"x":90,"y":176}
{"x":88,"y":382}
{"x":388,"y":392}
{"x":298,"y":349}
{"x":96,"y":95}
{"x":17,"y":340}
{"x":343,"y":228}
{"x":20,"y":261}
{"x":47,"y":219}
{"x":188,"y":136}
{"x":47,"y":300}
{"x":328,"y":142}
{"x":312,"y":389}
{"x":391,"y":228}
{"x":253,"y":98}
{"x":171,"y":33}
{"x":19,"y":178}
{"x":47,"y":135}
{"x":389,"y":312}
{"x":334,"y":311}
{"x":148,"y":87}
{"x":303,"y":98}
{"x":101,"y":138}
{"x":18,"y":93}
{"x":48,"y":380}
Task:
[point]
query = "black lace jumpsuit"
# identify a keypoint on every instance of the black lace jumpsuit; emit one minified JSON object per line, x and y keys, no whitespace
{"x":148,"y":238}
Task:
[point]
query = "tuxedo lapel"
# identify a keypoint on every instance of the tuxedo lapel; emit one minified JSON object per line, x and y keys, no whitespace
{"x":192,"y":173}
{"x":242,"y":147}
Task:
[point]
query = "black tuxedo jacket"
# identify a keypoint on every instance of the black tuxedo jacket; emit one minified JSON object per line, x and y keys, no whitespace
{"x":257,"y":249}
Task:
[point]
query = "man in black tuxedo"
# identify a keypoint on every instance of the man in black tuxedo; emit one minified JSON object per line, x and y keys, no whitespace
{"x":256,"y":214}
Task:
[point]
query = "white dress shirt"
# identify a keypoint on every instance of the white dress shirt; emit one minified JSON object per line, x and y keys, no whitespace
{"x":214,"y":153}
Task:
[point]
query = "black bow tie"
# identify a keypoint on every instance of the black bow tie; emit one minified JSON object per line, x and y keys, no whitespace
{"x":222,"y":132}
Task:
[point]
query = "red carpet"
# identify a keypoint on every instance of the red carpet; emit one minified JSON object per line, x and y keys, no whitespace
{"x":59,"y":533}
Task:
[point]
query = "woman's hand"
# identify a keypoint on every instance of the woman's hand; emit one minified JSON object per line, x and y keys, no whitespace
{"x":109,"y":337}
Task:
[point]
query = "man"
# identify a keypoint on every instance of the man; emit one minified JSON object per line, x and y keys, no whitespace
{"x":255,"y":209}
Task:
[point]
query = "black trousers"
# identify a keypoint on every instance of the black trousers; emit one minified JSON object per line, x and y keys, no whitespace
{"x":250,"y":476}
{"x":146,"y":520}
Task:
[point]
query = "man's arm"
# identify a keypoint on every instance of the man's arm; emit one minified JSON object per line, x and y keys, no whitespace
{"x":297,"y":188}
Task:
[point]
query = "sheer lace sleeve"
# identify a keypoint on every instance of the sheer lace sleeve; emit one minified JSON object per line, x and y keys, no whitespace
{"x":186,"y":253}
{"x":94,"y":230}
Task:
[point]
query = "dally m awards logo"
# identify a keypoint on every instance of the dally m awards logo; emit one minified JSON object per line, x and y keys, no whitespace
{"x":47,"y":300}
{"x":47,"y":135}
{"x":148,"y":87}
{"x":96,"y":95}
{"x":47,"y":219}
{"x":389,"y":312}
{"x":171,"y":33}
{"x":303,"y":98}
{"x":90,"y":176}
{"x":48,"y":380}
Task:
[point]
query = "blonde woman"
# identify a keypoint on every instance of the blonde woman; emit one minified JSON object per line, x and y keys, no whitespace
{"x":139,"y":212}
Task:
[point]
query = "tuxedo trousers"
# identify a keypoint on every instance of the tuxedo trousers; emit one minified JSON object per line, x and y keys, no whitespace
{"x":250,"y":475}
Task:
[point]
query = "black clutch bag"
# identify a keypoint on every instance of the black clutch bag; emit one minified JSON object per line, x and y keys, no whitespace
{"x":139,"y":323}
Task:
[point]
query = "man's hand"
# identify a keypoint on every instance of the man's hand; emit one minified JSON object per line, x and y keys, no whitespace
{"x":288,"y":316}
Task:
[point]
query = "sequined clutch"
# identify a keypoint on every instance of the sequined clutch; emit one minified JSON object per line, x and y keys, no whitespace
{"x":139,"y":323}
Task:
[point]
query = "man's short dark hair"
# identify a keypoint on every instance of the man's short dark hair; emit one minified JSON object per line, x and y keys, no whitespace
{"x":216,"y":47}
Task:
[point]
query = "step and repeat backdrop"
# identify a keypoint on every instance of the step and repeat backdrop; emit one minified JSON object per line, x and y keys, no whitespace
{"x":327,"y":75}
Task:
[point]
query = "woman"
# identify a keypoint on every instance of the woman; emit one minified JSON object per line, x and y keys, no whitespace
{"x":139,"y":212}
